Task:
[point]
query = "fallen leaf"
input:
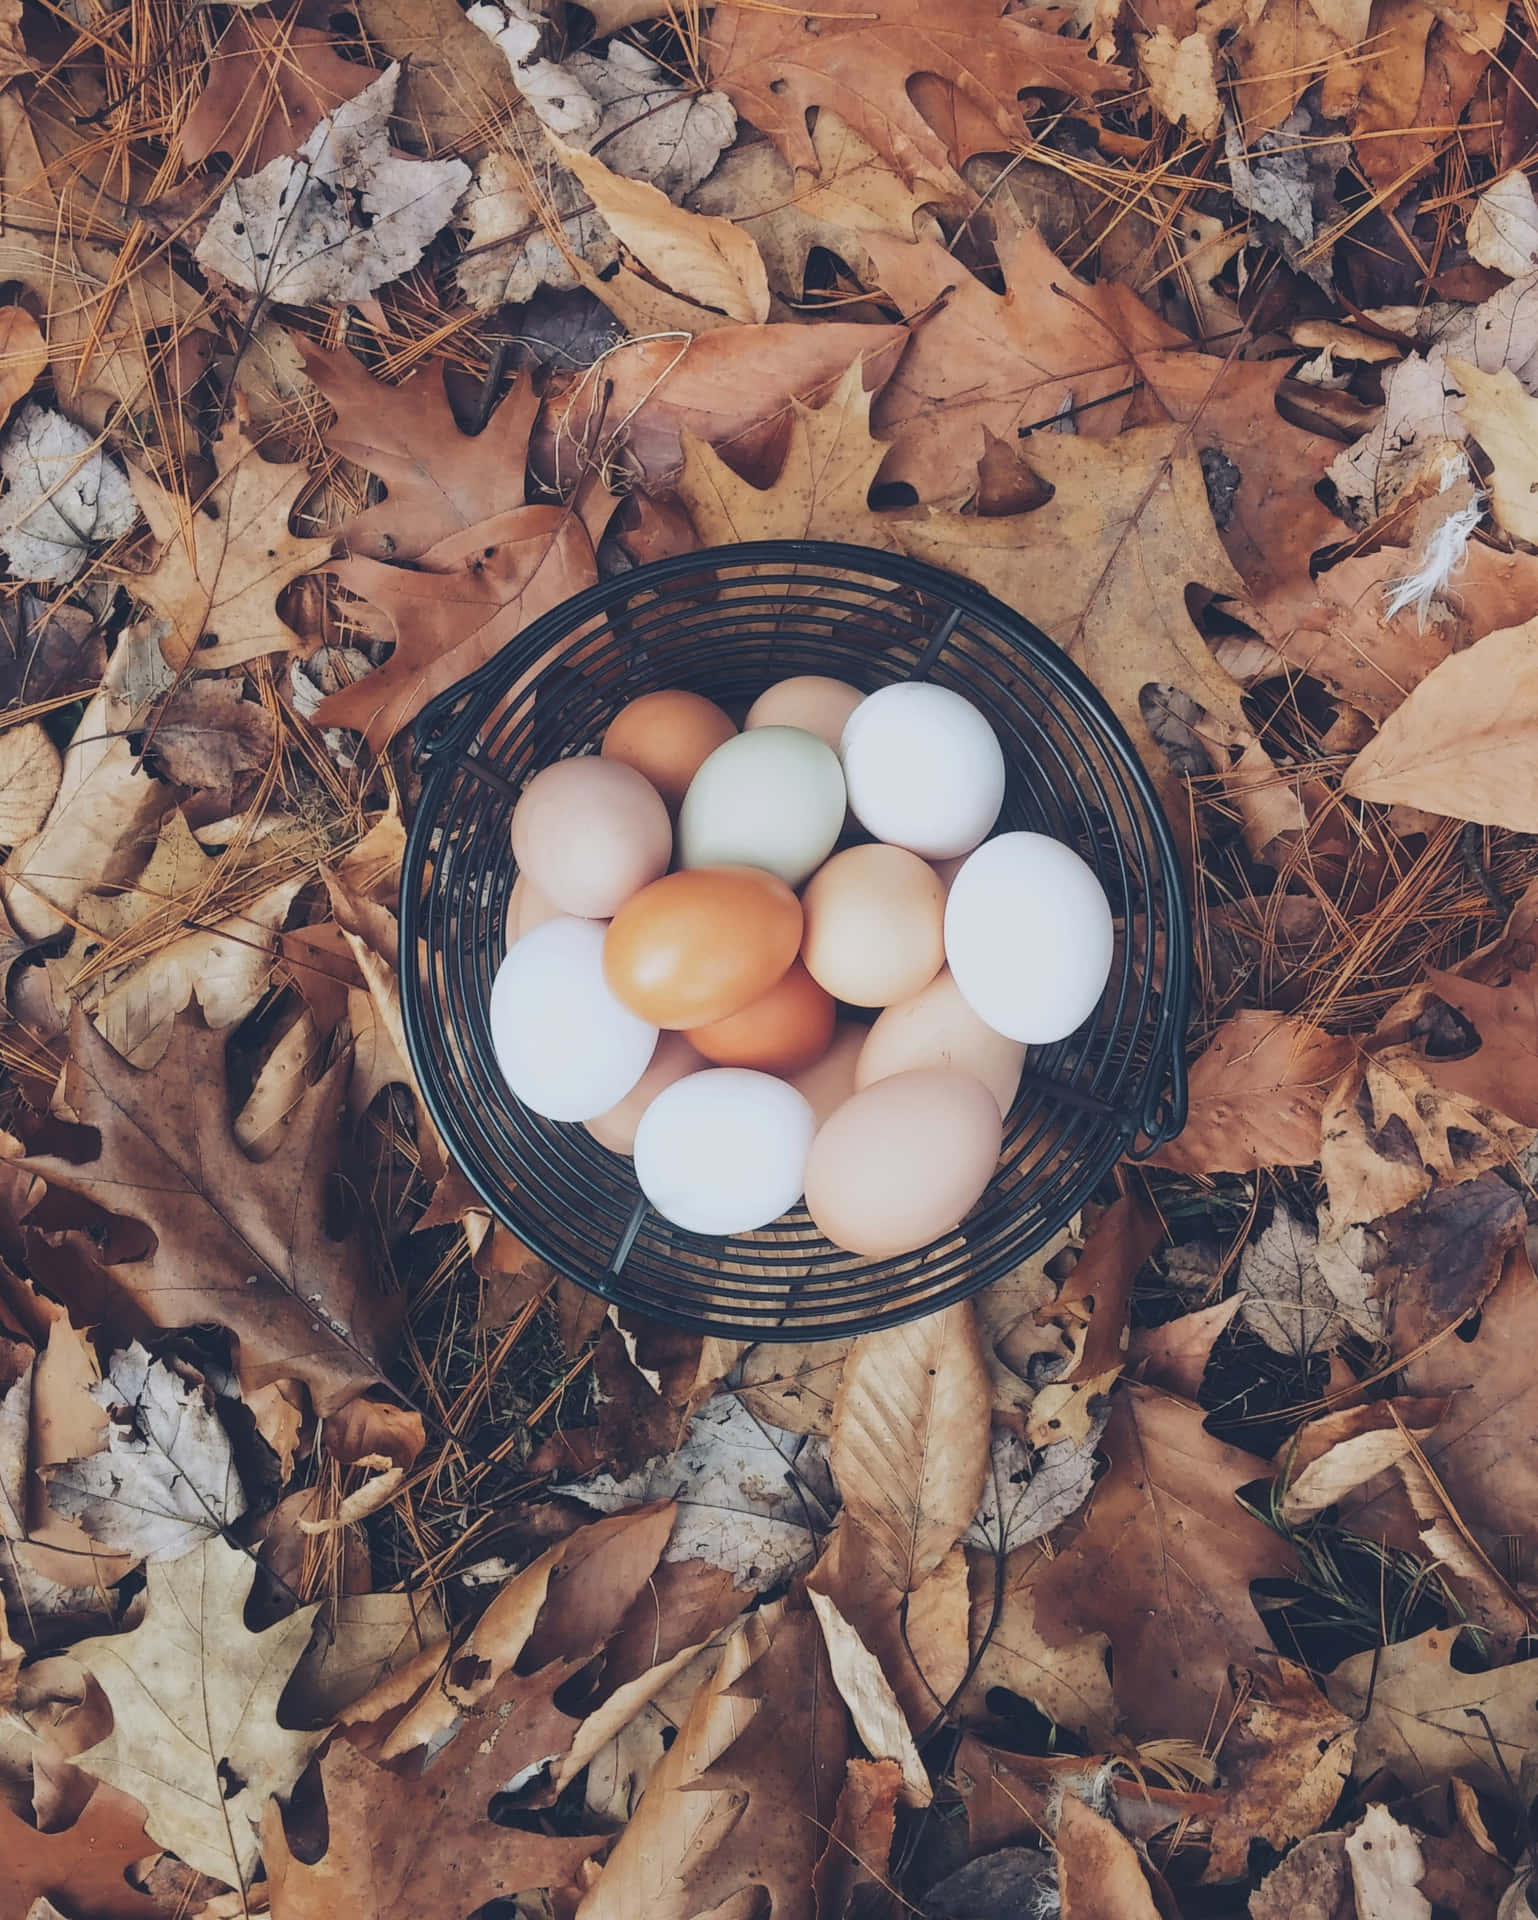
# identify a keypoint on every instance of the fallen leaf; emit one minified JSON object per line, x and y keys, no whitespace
{"x":1503,"y":228}
{"x":1182,"y":83}
{"x":1302,"y":1298}
{"x":64,"y":495}
{"x":859,"y":1845}
{"x":346,"y":216}
{"x":748,"y":1495}
{"x":1334,"y":1454}
{"x":239,"y":1242}
{"x":1285,"y":1758}
{"x":793,"y":1387}
{"x":47,"y":649}
{"x":85,"y":1865}
{"x":1435,"y":1262}
{"x":455,"y":88}
{"x":207,"y":734}
{"x":1066,"y":1680}
{"x":166,"y":1480}
{"x":1099,"y":1875}
{"x":1104,"y":569}
{"x":23,"y":356}
{"x":407,"y":1849}
{"x":269,"y":83}
{"x":1257,"y":1094}
{"x":1425,"y":1722}
{"x":1386,"y":1868}
{"x":861,"y":60}
{"x":1174,"y":1355}
{"x":194,"y":1697}
{"x":360,"y":1641}
{"x":1162,"y":1566}
{"x":1313,"y":1882}
{"x":708,"y":260}
{"x":30,"y":770}
{"x":1025,"y":1498}
{"x":438,"y":480}
{"x":984,"y":362}
{"x":871,"y":1702}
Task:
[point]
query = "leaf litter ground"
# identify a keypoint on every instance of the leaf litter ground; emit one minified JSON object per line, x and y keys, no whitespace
{"x":352,"y":1559}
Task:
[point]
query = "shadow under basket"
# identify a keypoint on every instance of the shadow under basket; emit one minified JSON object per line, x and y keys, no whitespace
{"x":728,"y":623}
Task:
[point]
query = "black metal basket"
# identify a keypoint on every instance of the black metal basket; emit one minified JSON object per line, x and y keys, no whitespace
{"x":728,"y":623}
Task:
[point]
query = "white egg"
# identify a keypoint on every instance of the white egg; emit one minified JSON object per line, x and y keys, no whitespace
{"x":771,"y":798}
{"x":724,"y":1151}
{"x":1028,"y":937}
{"x":924,"y":769}
{"x":568,"y":1049}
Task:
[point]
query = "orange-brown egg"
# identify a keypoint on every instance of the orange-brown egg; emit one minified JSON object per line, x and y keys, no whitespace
{"x":903,"y":1162}
{"x":875,"y":925}
{"x":667,"y":737}
{"x":782,"y":1031}
{"x":697,"y":946}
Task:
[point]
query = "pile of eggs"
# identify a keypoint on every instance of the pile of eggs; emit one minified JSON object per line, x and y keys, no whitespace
{"x":705,"y":920}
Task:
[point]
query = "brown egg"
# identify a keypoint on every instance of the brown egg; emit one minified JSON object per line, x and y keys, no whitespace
{"x":875,"y":925}
{"x":697,"y":946}
{"x":811,"y":702}
{"x":589,"y":833}
{"x":667,"y":737}
{"x":673,"y":1060}
{"x":527,"y":908}
{"x":903,"y":1162}
{"x":936,"y":1028}
{"x":782,"y":1031}
{"x":829,"y":1083}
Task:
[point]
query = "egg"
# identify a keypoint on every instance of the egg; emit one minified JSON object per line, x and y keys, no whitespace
{"x":1028,"y":937}
{"x":903,"y":1162}
{"x":811,"y":702}
{"x":782,"y":1031}
{"x":771,"y":798}
{"x":937,"y":1028}
{"x":566,"y":1046}
{"x":589,"y":833}
{"x":695,"y":947}
{"x":724,"y":1151}
{"x":830,"y":1081}
{"x":924,"y":769}
{"x":875,"y":919}
{"x":667,"y":737}
{"x":673,"y":1059}
{"x":527,"y":908}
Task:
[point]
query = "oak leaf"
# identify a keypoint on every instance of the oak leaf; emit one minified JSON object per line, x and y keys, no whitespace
{"x":221,"y":562}
{"x":1285,"y":1757}
{"x":1426,"y":1722}
{"x":1500,"y":1072}
{"x":239,"y":1242}
{"x":207,"y":733}
{"x":194,"y":1696}
{"x":1067,"y":1680}
{"x":1257,"y":1095}
{"x":1162,"y":1566}
{"x":1104,"y":569}
{"x":984,"y":362}
{"x":861,"y":61}
{"x":269,"y":82}
{"x":438,"y":480}
{"x":84,"y":1867}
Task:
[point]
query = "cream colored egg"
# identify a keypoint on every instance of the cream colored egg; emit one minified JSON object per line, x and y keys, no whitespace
{"x":527,"y":908}
{"x":810,"y":701}
{"x":828,"y":1082}
{"x":589,"y":833}
{"x":937,"y":1028}
{"x":875,"y":925}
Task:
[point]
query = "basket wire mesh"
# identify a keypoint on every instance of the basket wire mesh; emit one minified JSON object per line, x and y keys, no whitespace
{"x":728,"y":623}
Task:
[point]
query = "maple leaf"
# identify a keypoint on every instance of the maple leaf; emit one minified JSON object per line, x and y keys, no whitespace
{"x":63,"y":496}
{"x":438,"y":479}
{"x":194,"y":1697}
{"x":1302,"y":1298}
{"x":1103,"y":568}
{"x":221,"y":563}
{"x":1413,"y":1713}
{"x":269,"y":82}
{"x":1162,"y":1566}
{"x":240,"y":1242}
{"x":84,"y":1867}
{"x":1257,"y":1094}
{"x":984,"y":362}
{"x":820,"y":491}
{"x":859,"y":59}
{"x":409,"y":1849}
{"x":1461,"y":743}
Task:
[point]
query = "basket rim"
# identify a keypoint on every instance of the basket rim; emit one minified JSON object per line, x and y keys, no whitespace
{"x":448,"y":725}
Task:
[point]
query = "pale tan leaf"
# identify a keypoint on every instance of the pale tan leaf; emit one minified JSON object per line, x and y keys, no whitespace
{"x":1386,"y":1867}
{"x":360,"y":1641}
{"x":30,"y":770}
{"x":362,"y":1501}
{"x":23,"y":356}
{"x":1502,"y":416}
{"x":1503,"y":228}
{"x":1181,"y":81}
{"x":1331,"y":1456}
{"x":871,"y":1702}
{"x":1256,"y":1096}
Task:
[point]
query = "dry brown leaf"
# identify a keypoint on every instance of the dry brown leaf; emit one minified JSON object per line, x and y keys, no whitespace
{"x":458,"y":91}
{"x":1285,"y":1757}
{"x":793,"y":1386}
{"x":1312,"y":1883}
{"x":1332,"y":1455}
{"x":854,"y":1864}
{"x":30,"y":771}
{"x":241,"y":1243}
{"x":195,"y":1735}
{"x":1459,"y":744}
{"x":1182,"y":82}
{"x":1092,"y":1308}
{"x":861,"y":60}
{"x":1068,"y":1681}
{"x":1174,"y":1356}
{"x":1256,"y":1096}
{"x":84,"y":1866}
{"x":207,"y":734}
{"x":1501,"y":1071}
{"x":984,"y":362}
{"x":1386,"y":1867}
{"x":221,"y":562}
{"x":872,"y":1704}
{"x":706,"y":259}
{"x":408,"y":1849}
{"x":269,"y":82}
{"x":23,"y":356}
{"x":360,"y":1640}
{"x":1104,"y":568}
{"x":1163,"y":1564}
{"x":1099,"y":1875}
{"x":438,"y":479}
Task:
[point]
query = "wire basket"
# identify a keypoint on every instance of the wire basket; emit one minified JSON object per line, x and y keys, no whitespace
{"x":728,"y":623}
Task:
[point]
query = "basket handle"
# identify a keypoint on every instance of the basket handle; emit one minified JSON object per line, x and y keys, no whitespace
{"x":447,"y":724}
